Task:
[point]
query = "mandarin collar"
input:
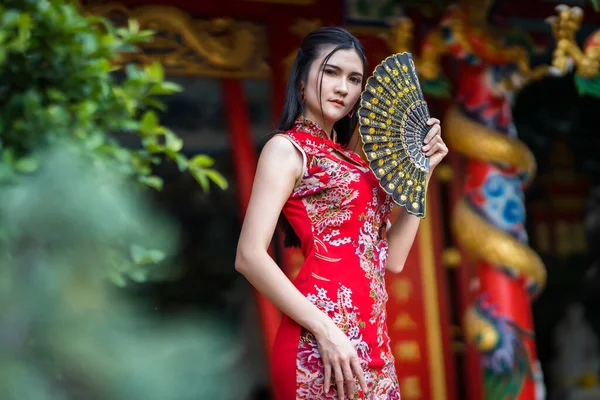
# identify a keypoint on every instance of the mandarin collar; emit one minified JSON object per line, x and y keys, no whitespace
{"x":309,"y":126}
{"x":306,"y":125}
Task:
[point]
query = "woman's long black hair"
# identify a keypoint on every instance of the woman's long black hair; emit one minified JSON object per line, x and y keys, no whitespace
{"x":293,"y":106}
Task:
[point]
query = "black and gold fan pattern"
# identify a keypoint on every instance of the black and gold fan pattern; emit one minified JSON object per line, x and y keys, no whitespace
{"x":393,"y":119}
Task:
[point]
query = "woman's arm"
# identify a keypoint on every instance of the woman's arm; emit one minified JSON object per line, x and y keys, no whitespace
{"x":277,"y":169}
{"x":401,"y":235}
{"x":279,"y":166}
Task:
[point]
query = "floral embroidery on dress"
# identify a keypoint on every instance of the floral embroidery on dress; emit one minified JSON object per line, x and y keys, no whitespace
{"x":309,"y":363}
{"x":372,"y":253}
{"x":339,"y":204}
{"x":332,"y":206}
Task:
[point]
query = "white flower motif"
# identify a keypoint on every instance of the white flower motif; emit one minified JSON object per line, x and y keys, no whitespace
{"x":329,"y":306}
{"x":341,"y":241}
{"x":322,"y":293}
{"x":347,"y":302}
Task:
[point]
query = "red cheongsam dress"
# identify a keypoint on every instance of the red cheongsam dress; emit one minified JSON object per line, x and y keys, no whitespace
{"x":339,"y":212}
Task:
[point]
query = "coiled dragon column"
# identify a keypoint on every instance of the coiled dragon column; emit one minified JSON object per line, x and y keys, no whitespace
{"x":488,"y":222}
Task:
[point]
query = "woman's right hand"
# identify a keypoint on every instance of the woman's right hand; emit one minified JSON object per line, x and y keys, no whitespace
{"x":340,"y":361}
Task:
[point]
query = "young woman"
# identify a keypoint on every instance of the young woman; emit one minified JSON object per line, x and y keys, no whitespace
{"x":333,"y":339}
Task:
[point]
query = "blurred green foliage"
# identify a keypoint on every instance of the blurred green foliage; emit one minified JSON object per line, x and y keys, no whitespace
{"x":56,"y":84}
{"x":57,"y":87}
{"x":66,"y":331}
{"x":75,"y":222}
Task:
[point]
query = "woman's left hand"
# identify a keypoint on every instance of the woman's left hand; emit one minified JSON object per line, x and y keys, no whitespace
{"x":434,"y":147}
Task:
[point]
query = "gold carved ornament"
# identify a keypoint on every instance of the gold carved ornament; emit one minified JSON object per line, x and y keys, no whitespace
{"x":218,"y":47}
{"x":564,"y":26}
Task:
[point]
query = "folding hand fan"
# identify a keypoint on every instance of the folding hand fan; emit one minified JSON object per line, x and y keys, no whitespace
{"x":393,"y":124}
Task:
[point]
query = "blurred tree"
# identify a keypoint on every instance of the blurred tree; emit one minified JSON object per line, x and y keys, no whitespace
{"x":72,"y":214}
{"x":57,"y":88}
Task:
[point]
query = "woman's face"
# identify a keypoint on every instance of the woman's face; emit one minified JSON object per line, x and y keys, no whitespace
{"x":340,"y":90}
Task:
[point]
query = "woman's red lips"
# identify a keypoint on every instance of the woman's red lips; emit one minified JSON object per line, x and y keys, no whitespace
{"x":340,"y":102}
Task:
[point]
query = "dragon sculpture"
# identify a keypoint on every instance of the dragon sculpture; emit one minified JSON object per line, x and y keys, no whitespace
{"x":586,"y":60}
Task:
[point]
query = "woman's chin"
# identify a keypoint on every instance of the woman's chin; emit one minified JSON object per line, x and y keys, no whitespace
{"x":335,"y":116}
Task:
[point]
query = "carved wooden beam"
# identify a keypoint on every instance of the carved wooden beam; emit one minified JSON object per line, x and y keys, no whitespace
{"x":184,"y":45}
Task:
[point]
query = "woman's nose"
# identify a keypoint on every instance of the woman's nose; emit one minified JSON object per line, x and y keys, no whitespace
{"x":342,"y":87}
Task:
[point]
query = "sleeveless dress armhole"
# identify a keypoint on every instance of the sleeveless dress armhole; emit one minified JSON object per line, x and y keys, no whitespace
{"x":304,"y":157}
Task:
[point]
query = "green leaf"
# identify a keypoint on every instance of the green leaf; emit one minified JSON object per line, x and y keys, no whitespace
{"x":56,"y":95}
{"x":8,"y":156}
{"x":159,"y":105}
{"x":89,"y":42}
{"x":27,"y":164}
{"x":141,"y":255}
{"x":202,"y":161}
{"x":155,"y":71}
{"x":171,"y":87}
{"x":134,"y":26}
{"x":94,"y":141}
{"x":87,"y":109}
{"x":116,"y":278}
{"x":9,"y":17}
{"x":130,"y":125}
{"x":25,"y":24}
{"x":152,"y":181}
{"x":217,"y":178}
{"x":181,"y":160}
{"x":201,"y":178}
{"x":149,"y":123}
{"x":173,"y":143}
{"x":132,"y":71}
{"x":138,"y":275}
{"x":162,"y":88}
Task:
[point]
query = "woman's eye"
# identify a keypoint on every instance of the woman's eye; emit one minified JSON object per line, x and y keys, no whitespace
{"x":354,"y":79}
{"x":330,"y":72}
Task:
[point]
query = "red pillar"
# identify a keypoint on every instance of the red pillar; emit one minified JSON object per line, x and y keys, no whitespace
{"x":511,"y":299}
{"x":472,"y":372}
{"x":244,"y":160}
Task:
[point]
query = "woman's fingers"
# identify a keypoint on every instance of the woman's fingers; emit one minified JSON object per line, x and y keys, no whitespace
{"x":358,"y":372}
{"x":433,"y":121}
{"x":339,"y":380}
{"x":327,"y":378}
{"x":432,"y":142}
{"x":435,"y":130}
{"x":436,"y":147}
{"x":349,"y":378}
